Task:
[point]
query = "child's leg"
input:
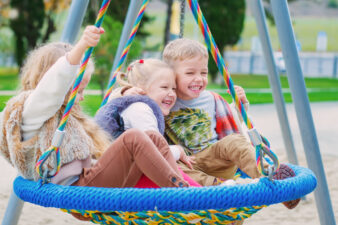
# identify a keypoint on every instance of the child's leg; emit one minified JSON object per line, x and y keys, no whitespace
{"x":198,"y":175}
{"x":162,"y":145}
{"x":163,"y":148}
{"x":224,"y":157}
{"x":132,"y":147}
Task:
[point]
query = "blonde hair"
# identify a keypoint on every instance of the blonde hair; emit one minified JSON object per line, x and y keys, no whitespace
{"x":183,"y":48}
{"x":40,"y":60}
{"x":140,"y":72}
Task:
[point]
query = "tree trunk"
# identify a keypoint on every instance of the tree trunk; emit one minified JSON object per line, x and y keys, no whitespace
{"x":167,"y":23}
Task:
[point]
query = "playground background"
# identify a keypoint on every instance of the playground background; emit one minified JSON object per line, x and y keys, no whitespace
{"x":306,"y":24}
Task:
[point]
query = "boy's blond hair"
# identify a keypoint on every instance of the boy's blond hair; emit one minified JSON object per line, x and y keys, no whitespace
{"x":140,"y":72}
{"x":183,"y":48}
{"x":40,"y":60}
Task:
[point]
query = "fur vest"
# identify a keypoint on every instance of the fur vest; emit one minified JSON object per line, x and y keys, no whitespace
{"x":83,"y":138}
{"x":108,"y":117}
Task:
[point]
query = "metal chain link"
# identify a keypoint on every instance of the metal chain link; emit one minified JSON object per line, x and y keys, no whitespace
{"x":182,"y":18}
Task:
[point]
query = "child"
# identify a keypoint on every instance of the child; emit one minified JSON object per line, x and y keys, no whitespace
{"x":157,"y":81}
{"x":202,"y":121}
{"x":29,"y":120}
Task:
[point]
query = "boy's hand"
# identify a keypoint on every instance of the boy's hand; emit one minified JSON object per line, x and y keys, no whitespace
{"x":134,"y":91}
{"x":188,"y":160}
{"x":241,"y":94}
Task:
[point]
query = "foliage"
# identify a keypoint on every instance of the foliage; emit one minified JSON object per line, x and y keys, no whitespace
{"x":105,"y":50}
{"x":226,"y":22}
{"x":118,"y":11}
{"x":6,"y":41}
{"x":32,"y":22}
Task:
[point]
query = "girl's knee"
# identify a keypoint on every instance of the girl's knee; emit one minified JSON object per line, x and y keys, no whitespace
{"x":156,"y":137}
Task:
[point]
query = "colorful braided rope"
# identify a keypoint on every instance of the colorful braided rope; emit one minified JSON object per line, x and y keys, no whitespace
{"x":71,"y":100}
{"x":210,"y":216}
{"x":125,"y":51}
{"x":211,"y":44}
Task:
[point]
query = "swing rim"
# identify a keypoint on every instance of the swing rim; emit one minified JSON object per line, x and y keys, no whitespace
{"x":265,"y":192}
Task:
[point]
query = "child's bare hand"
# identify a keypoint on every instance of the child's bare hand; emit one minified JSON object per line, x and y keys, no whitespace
{"x":240,"y":93}
{"x":91,"y":36}
{"x":134,"y":91}
{"x":188,"y":160}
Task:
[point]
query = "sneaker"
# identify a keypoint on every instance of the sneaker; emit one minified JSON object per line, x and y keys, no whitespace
{"x":283,"y":172}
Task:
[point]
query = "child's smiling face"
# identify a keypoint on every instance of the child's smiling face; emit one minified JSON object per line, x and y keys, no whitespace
{"x":192,"y":77}
{"x":162,"y":89}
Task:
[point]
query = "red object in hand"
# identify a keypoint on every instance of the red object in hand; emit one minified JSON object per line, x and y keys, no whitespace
{"x":141,"y":61}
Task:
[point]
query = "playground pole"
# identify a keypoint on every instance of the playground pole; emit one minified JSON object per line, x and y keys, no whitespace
{"x":75,"y":17}
{"x":258,"y":12}
{"x":13,"y":211}
{"x":304,"y":116}
{"x":133,"y":8}
{"x":71,"y":29}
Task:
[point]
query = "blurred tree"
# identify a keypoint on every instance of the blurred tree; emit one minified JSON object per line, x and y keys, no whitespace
{"x":118,"y":11}
{"x":6,"y":41}
{"x":31,"y":21}
{"x":226,"y":22}
{"x":104,"y":51}
{"x":167,"y":22}
{"x":113,"y":24}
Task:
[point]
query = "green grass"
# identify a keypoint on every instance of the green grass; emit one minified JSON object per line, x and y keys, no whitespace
{"x":9,"y":78}
{"x":91,"y":104}
{"x":263,"y":98}
{"x":305,"y":29}
{"x":261,"y":81}
{"x":3,"y":100}
{"x":8,"y":81}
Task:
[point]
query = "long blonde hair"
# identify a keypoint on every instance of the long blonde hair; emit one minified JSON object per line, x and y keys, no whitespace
{"x":39,"y":61}
{"x":37,"y":64}
{"x":140,"y":72}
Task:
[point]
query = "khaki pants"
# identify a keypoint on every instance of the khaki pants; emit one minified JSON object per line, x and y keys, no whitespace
{"x":222,"y":159}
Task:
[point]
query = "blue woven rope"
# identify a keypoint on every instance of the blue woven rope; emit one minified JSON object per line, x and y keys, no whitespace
{"x":264,"y":192}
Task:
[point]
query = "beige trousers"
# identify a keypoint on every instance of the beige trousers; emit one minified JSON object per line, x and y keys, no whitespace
{"x":222,"y":159}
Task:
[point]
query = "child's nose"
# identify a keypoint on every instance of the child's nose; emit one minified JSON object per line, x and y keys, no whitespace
{"x":199,"y":77}
{"x":172,"y":93}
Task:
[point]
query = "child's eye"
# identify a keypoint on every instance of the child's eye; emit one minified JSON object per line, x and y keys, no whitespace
{"x":189,"y":73}
{"x":164,"y":86}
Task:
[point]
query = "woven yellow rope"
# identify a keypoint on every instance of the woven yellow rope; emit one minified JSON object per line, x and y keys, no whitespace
{"x":154,"y":217}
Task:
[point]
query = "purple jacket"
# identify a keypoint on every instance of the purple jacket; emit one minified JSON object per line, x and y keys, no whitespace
{"x":109,"y":116}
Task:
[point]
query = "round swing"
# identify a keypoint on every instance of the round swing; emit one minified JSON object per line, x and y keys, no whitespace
{"x":193,"y":205}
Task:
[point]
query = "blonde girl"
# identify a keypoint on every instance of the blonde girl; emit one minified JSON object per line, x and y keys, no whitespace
{"x":30,"y":119}
{"x":146,"y":112}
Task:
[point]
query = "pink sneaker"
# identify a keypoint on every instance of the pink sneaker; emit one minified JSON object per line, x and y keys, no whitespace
{"x":283,"y":172}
